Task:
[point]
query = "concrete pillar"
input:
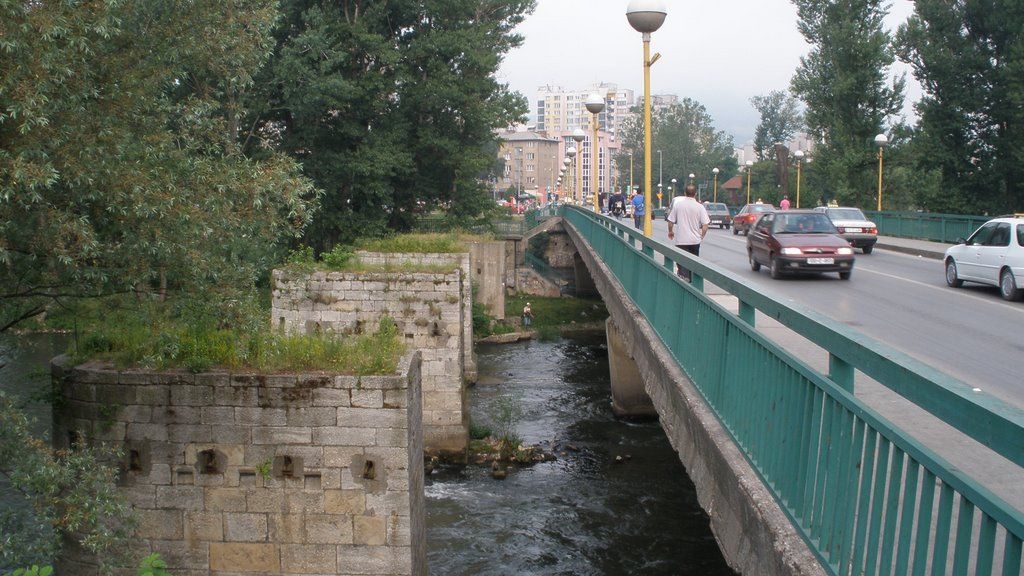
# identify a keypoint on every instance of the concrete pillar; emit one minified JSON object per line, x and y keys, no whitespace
{"x":487,"y":268}
{"x":629,"y":399}
{"x":585,"y":287}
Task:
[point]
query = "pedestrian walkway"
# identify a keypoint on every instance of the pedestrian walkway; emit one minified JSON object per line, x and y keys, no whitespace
{"x":924,"y":248}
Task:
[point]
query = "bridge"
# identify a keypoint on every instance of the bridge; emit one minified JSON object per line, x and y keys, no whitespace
{"x":793,"y":459}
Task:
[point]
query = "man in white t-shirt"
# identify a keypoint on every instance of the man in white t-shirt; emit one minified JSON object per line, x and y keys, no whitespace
{"x":687,"y":224}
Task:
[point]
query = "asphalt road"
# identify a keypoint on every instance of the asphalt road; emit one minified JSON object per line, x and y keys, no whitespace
{"x":903,"y":301}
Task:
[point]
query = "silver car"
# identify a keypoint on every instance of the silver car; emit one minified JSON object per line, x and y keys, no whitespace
{"x":853,"y":226}
{"x":993,"y":255}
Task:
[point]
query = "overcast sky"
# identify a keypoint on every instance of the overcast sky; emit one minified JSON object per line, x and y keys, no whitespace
{"x":718,"y":52}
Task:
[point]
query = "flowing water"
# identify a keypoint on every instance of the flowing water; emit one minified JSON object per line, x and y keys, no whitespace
{"x":586,"y":512}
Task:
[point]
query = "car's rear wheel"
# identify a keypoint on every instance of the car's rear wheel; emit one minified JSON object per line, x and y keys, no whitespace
{"x":776,"y":268}
{"x":754,"y":264}
{"x":1008,"y":286}
{"x":867,"y":249}
{"x":845,"y":275}
{"x":952,"y":279}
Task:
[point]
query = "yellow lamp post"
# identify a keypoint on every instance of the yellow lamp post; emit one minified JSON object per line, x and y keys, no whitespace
{"x":646,"y":16}
{"x":750,"y":168}
{"x":594,"y":104}
{"x":881,"y":141}
{"x":566,"y":165}
{"x":572,"y":152}
{"x":715,"y":172}
{"x":799,"y":155}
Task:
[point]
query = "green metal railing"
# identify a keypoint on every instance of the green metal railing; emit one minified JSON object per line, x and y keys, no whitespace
{"x":926,"y":226}
{"x":865,"y":495}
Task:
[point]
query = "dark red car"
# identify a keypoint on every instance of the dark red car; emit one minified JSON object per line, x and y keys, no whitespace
{"x":744,"y":220}
{"x":798,"y":241}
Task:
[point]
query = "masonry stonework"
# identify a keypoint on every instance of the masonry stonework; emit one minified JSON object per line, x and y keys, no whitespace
{"x":236,"y":474}
{"x":432,"y":311}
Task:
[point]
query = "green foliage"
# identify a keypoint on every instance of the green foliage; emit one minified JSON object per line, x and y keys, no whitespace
{"x":120,"y":168}
{"x":56,"y":495}
{"x":390,"y":106}
{"x":538,"y":245}
{"x":432,"y":243}
{"x":686,"y":135}
{"x":780,"y":119}
{"x":159,"y":337}
{"x":844,"y":83}
{"x":33,"y":571}
{"x":263,"y":469}
{"x":505,"y":413}
{"x":969,"y":58}
{"x":479,"y":431}
{"x":153,"y":565}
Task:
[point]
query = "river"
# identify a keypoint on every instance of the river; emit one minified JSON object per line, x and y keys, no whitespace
{"x":586,"y":512}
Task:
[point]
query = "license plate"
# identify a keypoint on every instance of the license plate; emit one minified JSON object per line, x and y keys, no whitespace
{"x":856,"y":230}
{"x":821,"y":261}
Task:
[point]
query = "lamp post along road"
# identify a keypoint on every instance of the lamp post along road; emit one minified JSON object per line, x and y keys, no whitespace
{"x":881,"y":141}
{"x":715,"y":172}
{"x":595,"y":104}
{"x":571,"y":152}
{"x":750,"y":168}
{"x":799,"y":155}
{"x":646,"y":16}
{"x":579,"y":135}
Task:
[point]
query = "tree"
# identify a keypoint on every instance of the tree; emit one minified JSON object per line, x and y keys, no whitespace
{"x":390,"y":106}
{"x":119,"y":165}
{"x":843,"y":82}
{"x":780,"y":119}
{"x":688,"y":140}
{"x":969,"y":58}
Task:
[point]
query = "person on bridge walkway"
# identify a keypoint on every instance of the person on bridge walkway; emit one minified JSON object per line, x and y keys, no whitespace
{"x":692,"y":220}
{"x":638,"y":209}
{"x":785,"y":203}
{"x":527,"y":315}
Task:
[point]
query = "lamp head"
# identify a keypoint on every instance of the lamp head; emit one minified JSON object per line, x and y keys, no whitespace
{"x":594,"y":103}
{"x":749,"y":163}
{"x":673,"y":180}
{"x":881,"y":141}
{"x":715,"y":170}
{"x":691,"y":176}
{"x":646,"y":16}
{"x":799,"y":154}
{"x":578,"y":134}
{"x":567,"y":160}
{"x":571,"y":151}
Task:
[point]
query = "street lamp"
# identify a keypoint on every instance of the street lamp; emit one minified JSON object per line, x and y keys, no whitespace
{"x":881,"y":141}
{"x":799,"y":155}
{"x":671,"y":191}
{"x":571,"y":153}
{"x":715,"y":172}
{"x":594,"y":104}
{"x":579,"y":136}
{"x":691,"y":177}
{"x":750,"y":168}
{"x":646,"y":16}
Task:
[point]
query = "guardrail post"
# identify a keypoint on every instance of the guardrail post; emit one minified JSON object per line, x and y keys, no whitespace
{"x":840,"y":372}
{"x":747,"y":312}
{"x":697,"y":281}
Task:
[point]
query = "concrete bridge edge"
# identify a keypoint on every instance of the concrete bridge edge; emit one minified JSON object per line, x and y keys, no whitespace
{"x":755,"y":535}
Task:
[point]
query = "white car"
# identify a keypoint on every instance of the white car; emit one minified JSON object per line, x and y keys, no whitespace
{"x":993,"y":255}
{"x":853,"y":226}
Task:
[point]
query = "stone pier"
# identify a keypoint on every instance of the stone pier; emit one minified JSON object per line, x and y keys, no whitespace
{"x":240,"y":473}
{"x":629,"y":398}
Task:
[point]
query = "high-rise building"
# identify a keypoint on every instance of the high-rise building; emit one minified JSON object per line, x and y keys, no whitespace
{"x":531,"y":162}
{"x":560,"y":110}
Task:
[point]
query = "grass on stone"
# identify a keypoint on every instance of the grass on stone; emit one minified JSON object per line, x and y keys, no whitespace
{"x":154,"y":337}
{"x":421,"y":243}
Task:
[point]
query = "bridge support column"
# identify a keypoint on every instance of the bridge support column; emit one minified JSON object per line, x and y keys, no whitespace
{"x":585,"y":286}
{"x":629,"y":399}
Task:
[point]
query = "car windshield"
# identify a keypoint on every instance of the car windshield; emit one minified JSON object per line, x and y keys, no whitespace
{"x":717,"y":207}
{"x":845,"y":214}
{"x":816,"y":223}
{"x":761,"y":207}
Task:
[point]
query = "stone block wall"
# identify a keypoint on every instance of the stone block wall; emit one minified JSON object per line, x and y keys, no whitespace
{"x":432,"y":310}
{"x":234,"y":474}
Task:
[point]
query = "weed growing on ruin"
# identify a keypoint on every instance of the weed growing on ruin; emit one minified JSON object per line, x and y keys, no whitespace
{"x":452,"y":242}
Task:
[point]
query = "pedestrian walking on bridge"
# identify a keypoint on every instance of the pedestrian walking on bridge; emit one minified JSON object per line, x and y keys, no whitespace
{"x":688,"y":222}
